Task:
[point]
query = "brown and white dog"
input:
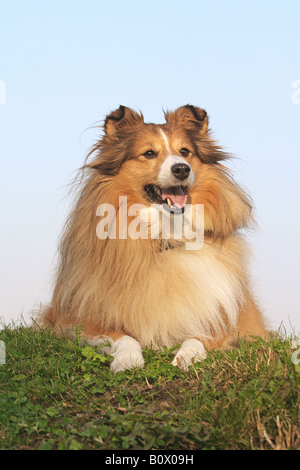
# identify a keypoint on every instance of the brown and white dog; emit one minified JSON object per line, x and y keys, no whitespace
{"x":148,"y":290}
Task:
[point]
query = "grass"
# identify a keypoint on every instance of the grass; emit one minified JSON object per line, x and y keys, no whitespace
{"x":58,"y":394}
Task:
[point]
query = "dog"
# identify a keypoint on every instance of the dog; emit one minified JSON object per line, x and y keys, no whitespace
{"x":154,"y":291}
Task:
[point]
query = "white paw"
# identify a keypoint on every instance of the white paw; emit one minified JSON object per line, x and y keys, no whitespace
{"x":191,"y":351}
{"x":103,"y":343}
{"x":127,"y":355}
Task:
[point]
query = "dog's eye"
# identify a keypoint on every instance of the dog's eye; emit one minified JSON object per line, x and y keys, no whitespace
{"x":149,"y":154}
{"x":185,"y":152}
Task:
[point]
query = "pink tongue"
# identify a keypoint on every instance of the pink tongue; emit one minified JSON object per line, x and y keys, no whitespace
{"x":176,"y":195}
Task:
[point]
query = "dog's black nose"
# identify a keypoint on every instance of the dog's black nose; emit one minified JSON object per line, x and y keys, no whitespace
{"x":181,"y":170}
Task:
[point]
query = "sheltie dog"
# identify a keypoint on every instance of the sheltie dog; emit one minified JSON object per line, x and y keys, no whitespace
{"x":146,"y":289}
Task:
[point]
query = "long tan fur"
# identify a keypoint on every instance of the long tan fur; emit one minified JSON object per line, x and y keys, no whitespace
{"x":138,"y":287}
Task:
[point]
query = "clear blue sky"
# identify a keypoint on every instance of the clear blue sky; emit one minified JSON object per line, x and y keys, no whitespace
{"x":66,"y":64}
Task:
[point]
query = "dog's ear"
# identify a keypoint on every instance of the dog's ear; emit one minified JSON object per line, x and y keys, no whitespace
{"x":120,"y":119}
{"x":194,"y":121}
{"x":189,"y":116}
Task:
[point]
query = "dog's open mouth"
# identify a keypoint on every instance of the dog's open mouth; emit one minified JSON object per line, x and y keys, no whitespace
{"x":173,"y":199}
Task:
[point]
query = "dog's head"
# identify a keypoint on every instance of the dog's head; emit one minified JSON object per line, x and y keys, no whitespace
{"x":171,"y":164}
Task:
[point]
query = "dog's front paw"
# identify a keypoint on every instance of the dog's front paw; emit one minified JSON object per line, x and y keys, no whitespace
{"x":103,"y":343}
{"x":191,"y":351}
{"x":128,"y":355}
